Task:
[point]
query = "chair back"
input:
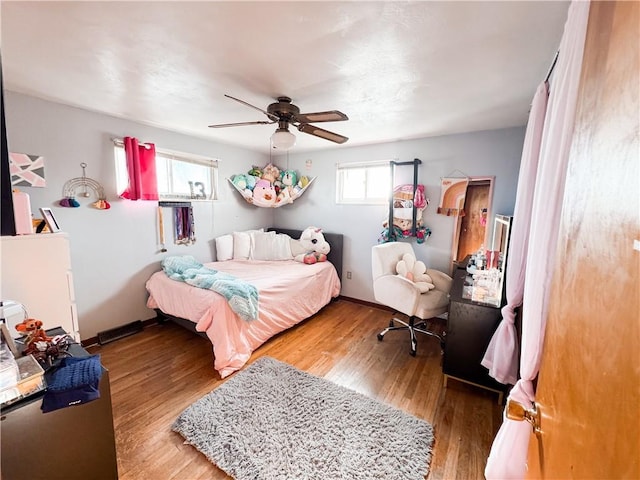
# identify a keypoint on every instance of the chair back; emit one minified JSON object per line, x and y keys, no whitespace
{"x":384,"y":257}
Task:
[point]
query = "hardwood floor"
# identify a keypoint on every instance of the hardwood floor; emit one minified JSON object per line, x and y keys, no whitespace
{"x":159,"y":372}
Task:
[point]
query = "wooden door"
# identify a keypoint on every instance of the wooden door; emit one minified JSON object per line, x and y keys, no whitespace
{"x":589,"y":383}
{"x":473,"y":224}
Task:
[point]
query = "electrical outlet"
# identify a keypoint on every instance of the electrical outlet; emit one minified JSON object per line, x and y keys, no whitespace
{"x":348,"y":275}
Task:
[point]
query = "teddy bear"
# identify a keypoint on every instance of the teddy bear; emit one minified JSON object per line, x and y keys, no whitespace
{"x":415,"y":271}
{"x":271,"y":173}
{"x":311,"y":247}
{"x":34,"y":332}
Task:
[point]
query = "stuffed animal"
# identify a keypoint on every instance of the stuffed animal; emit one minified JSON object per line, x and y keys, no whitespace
{"x":289,"y":178}
{"x":284,"y":197}
{"x":303,"y":182}
{"x":255,"y":172}
{"x":415,"y":271}
{"x":34,"y":332}
{"x":251,"y":181}
{"x":270,"y":173}
{"x":241,"y":182}
{"x":264,"y":195}
{"x":311,"y":247}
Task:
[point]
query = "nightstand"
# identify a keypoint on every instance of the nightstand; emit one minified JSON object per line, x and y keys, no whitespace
{"x":72,"y":442}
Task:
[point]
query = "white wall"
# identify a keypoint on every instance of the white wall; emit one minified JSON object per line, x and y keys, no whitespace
{"x":488,"y":153}
{"x":113,"y":252}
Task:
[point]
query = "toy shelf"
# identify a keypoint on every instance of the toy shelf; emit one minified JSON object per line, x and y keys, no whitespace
{"x":416,"y":163}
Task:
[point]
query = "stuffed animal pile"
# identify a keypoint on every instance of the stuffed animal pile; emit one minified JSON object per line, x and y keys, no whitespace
{"x":311,"y":247}
{"x":415,"y":271}
{"x":270,"y":186}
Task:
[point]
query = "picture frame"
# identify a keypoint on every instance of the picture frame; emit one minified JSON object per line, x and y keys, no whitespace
{"x":51,"y":221}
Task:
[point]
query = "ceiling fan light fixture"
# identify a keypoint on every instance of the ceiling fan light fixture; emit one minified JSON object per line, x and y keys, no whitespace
{"x":283,"y":139}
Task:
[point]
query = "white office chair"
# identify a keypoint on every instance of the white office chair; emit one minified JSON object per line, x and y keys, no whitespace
{"x":404,"y":296}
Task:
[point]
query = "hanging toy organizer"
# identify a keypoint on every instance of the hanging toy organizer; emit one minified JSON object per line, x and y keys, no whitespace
{"x":84,"y":184}
{"x":405,"y":197}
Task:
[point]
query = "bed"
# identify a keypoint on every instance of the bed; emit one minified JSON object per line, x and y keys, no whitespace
{"x":289,"y":292}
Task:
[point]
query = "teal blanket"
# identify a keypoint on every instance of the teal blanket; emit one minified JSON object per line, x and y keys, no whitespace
{"x":242,"y":296}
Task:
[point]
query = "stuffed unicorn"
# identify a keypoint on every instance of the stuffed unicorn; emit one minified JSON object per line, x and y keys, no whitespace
{"x":311,"y":247}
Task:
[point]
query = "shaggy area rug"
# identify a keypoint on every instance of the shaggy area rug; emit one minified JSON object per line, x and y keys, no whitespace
{"x":271,"y":421}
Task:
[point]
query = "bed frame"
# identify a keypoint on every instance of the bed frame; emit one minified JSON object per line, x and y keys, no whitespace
{"x":336,"y":241}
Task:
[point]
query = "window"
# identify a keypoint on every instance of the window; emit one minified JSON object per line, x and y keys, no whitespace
{"x":363,"y":182}
{"x":180,"y":176}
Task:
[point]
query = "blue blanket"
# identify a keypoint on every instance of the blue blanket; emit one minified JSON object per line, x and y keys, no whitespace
{"x":242,"y":296}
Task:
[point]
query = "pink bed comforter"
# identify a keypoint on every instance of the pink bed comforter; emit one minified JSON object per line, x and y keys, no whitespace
{"x":289,"y":292}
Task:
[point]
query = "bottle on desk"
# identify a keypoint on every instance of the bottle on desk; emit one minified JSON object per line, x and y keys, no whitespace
{"x":481,"y":259}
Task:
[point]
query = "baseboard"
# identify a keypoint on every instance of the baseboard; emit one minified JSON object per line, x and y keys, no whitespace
{"x":366,"y":303}
{"x":88,"y":342}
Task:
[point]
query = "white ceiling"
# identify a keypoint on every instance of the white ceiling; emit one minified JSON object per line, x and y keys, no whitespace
{"x":399,"y":70}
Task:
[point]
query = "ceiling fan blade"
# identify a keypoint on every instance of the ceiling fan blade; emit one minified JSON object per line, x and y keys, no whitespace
{"x":239,"y":124}
{"x":330,"y":116}
{"x":319,"y":132}
{"x":270,"y":115}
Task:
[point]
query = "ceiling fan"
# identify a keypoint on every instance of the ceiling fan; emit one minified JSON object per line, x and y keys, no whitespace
{"x":284,"y":113}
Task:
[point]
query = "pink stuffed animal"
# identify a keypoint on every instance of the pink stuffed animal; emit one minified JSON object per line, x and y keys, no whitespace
{"x":264,"y":195}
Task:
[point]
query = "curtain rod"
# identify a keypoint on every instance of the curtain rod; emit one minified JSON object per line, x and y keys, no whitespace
{"x":120,"y":142}
{"x":553,"y":65}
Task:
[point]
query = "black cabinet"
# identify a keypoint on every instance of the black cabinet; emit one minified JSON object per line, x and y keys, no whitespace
{"x":470,"y":326}
{"x":72,"y":442}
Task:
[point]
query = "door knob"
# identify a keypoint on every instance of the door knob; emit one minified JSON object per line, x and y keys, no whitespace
{"x":518,"y":412}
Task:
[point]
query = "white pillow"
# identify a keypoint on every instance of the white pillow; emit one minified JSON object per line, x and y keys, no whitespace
{"x":270,"y":246}
{"x":242,"y":244}
{"x":224,"y":248}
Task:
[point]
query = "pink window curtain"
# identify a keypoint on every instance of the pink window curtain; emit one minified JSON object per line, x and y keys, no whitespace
{"x":141,"y":168}
{"x":501,"y":357}
{"x":508,"y":456}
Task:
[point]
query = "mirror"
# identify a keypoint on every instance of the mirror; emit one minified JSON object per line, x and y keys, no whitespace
{"x":500,"y":242}
{"x":499,"y":248}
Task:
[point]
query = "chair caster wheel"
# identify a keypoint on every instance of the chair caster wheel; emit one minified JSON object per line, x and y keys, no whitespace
{"x":380,"y":337}
{"x":413,"y":353}
{"x":391,"y":325}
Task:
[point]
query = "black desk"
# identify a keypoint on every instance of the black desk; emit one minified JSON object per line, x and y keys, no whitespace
{"x":76,"y":442}
{"x":470,"y":326}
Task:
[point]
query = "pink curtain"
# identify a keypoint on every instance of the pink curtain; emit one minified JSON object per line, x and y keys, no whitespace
{"x":501,"y":357}
{"x":508,"y":457}
{"x":141,"y":167}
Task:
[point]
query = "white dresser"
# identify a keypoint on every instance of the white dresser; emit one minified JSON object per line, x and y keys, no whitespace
{"x":36,"y":272}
